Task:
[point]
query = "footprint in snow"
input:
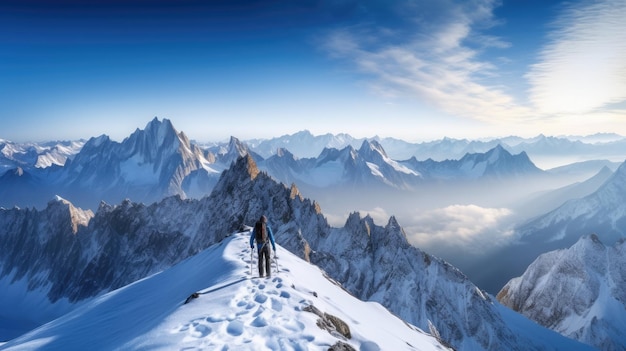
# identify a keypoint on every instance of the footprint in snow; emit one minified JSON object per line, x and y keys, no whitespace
{"x":260,"y":298}
{"x":259,"y":311}
{"x":200,"y":331}
{"x":277,"y":305}
{"x":259,"y":322}
{"x":215,"y":319}
{"x":235,"y":328}
{"x":197,"y":328}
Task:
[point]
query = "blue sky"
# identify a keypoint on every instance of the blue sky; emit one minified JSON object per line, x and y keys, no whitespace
{"x":416,"y":70}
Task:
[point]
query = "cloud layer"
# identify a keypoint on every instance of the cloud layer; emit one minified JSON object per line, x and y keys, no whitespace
{"x":471,"y":228}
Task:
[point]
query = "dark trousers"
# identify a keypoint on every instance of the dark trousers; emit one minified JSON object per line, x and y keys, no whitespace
{"x":264,"y":260}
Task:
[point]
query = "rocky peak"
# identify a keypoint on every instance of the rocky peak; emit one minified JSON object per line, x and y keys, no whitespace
{"x":158,"y":137}
{"x":78,"y":217}
{"x":354,"y":222}
{"x":236,"y":148}
{"x":294,"y":192}
{"x":392,"y":235}
{"x":242,"y":171}
{"x":282,"y":152}
{"x":371,"y":148}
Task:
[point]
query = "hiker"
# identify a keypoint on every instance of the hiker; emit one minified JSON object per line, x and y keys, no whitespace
{"x":263,"y":235}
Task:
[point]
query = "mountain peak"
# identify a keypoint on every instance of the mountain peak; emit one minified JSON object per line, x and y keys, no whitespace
{"x":236,"y":148}
{"x":574,"y":291}
{"x":498,"y":152}
{"x":369,"y":147}
{"x":589,"y":242}
{"x":393,"y":235}
{"x":95,"y":142}
{"x":242,"y":171}
{"x":282,"y":152}
{"x":78,"y":216}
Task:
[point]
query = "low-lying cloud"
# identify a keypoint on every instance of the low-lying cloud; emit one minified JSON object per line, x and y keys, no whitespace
{"x":470,"y":228}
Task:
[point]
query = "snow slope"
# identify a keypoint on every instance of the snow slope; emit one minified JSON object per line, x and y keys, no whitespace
{"x":578,"y":292}
{"x":234,"y":310}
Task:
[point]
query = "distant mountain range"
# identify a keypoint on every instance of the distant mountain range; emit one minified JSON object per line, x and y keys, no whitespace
{"x":37,"y":155}
{"x":305,"y":145}
{"x":159,"y":161}
{"x":579,"y":292}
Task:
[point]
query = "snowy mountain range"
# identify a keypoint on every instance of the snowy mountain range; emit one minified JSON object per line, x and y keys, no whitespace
{"x":579,"y":292}
{"x":546,"y":148}
{"x":159,"y":161}
{"x":64,"y":260}
{"x":36,"y":155}
{"x":370,"y":166}
{"x":147,"y":166}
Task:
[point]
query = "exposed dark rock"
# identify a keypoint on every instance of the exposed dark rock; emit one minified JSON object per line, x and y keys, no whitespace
{"x":333,"y":324}
{"x":341,"y":346}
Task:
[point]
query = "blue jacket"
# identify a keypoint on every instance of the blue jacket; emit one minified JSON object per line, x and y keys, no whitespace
{"x":269,"y":234}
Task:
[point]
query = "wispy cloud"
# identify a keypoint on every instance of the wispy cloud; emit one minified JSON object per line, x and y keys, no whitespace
{"x":583,"y":67}
{"x":435,"y":58}
{"x":472,"y":228}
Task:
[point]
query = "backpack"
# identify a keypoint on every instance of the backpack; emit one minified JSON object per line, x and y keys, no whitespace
{"x":260,"y":232}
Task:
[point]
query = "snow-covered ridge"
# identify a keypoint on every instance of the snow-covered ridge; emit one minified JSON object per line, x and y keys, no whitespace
{"x":579,"y":292}
{"x":601,"y":212}
{"x":233,"y":310}
{"x":37,"y":155}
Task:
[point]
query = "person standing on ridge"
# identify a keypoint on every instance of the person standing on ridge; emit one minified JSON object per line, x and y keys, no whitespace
{"x":263,"y":235}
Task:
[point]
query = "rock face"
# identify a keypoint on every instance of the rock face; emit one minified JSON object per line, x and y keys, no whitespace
{"x":579,"y":292}
{"x":123,"y":243}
